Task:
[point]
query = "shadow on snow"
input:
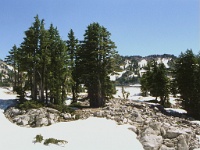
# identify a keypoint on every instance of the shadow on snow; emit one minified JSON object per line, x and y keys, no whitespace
{"x":5,"y":103}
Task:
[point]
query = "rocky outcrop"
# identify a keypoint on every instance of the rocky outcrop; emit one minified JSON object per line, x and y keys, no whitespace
{"x":36,"y":117}
{"x":155,"y":129}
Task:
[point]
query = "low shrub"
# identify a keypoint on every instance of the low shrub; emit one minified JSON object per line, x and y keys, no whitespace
{"x":167,"y":104}
{"x":77,"y":104}
{"x":38,"y":138}
{"x":62,"y":108}
{"x":53,"y":141}
{"x":77,"y":116}
{"x":30,"y":104}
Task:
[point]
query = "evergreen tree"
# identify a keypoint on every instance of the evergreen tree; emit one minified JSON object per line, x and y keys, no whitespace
{"x":41,"y":63}
{"x":58,"y":71}
{"x":186,"y":76}
{"x":44,"y":62}
{"x":30,"y":52}
{"x":72,"y":45}
{"x":11,"y":60}
{"x":156,"y":82}
{"x":96,"y":62}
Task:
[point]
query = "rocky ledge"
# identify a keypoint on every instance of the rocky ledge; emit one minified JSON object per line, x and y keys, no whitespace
{"x":37,"y":117}
{"x":155,"y":129}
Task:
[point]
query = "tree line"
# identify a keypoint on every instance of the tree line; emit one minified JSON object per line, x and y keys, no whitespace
{"x":182,"y":78}
{"x":49,"y":67}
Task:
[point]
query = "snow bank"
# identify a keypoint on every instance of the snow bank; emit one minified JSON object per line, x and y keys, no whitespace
{"x":176,"y":110}
{"x":92,"y":133}
{"x":134,"y":92}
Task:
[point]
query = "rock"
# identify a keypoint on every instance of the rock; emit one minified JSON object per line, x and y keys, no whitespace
{"x":15,"y":112}
{"x":162,"y":131}
{"x":182,"y":144}
{"x":135,"y":113}
{"x":139,"y":119}
{"x":51,"y":116}
{"x":118,"y":119}
{"x":67,"y":116}
{"x":173,"y":132}
{"x":168,"y":142}
{"x":108,"y":116}
{"x":164,"y":147}
{"x":32,"y":112}
{"x":155,"y":125}
{"x":125,"y":120}
{"x":98,"y":114}
{"x":134,"y":129}
{"x":166,"y":126}
{"x":17,"y":119}
{"x":23,"y":122}
{"x":42,"y":122}
{"x":197,"y":131}
{"x":50,"y":121}
{"x":147,"y":121}
{"x":40,"y":116}
{"x":51,"y":110}
{"x":148,"y":131}
{"x":151,"y":142}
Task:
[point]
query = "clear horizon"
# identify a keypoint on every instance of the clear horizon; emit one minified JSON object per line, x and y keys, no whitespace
{"x":138,"y":27}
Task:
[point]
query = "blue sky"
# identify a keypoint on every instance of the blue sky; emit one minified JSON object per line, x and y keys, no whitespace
{"x":138,"y":27}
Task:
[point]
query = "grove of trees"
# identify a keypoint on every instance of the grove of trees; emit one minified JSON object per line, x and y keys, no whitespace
{"x":187,"y":79}
{"x":50,"y":67}
{"x":184,"y":80}
{"x":156,"y":81}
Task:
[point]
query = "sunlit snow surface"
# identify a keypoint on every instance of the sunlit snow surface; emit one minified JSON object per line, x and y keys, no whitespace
{"x":92,"y":133}
{"x":135,"y":95}
{"x":173,"y":110}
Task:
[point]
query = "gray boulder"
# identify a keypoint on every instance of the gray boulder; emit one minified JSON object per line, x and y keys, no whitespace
{"x":23,"y":122}
{"x":151,"y":142}
{"x":67,"y":116}
{"x":51,"y":116}
{"x":15,"y":112}
{"x":173,"y":132}
{"x":168,"y":143}
{"x":51,"y":110}
{"x":139,"y":119}
{"x":50,"y":121}
{"x":182,"y":144}
{"x":164,"y":147}
{"x":98,"y":114}
{"x":42,"y":122}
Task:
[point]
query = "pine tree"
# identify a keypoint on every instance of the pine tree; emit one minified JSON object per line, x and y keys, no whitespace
{"x":11,"y":59}
{"x":30,"y":52}
{"x":42,"y":64}
{"x":58,"y":71}
{"x":156,"y":82}
{"x":96,"y":62}
{"x":72,"y":45}
{"x":186,"y":78}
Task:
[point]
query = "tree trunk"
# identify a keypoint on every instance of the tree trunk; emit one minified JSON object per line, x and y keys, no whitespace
{"x":95,"y":96}
{"x":74,"y":98}
{"x":34,"y":90}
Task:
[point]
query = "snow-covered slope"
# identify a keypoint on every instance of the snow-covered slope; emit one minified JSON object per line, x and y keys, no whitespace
{"x":142,"y":63}
{"x":164,"y":61}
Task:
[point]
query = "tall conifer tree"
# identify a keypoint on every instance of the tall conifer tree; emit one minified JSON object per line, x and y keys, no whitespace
{"x":72,"y":45}
{"x":96,"y":62}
